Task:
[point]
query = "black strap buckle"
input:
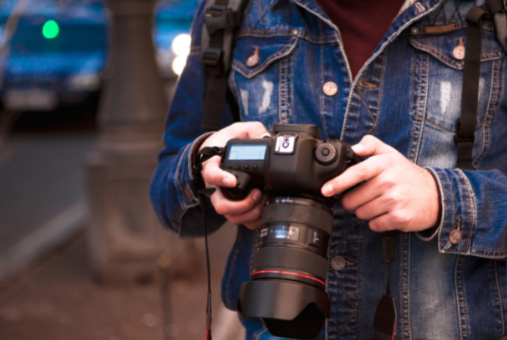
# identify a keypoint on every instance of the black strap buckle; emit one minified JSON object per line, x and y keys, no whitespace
{"x":389,"y":247}
{"x":220,"y":18}
{"x":212,"y":59}
{"x":459,"y":137}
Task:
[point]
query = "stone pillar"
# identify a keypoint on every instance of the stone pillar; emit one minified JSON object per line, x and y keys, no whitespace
{"x":125,"y":239}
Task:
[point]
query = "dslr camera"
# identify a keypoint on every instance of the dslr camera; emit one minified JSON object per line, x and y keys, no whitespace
{"x":287,"y":287}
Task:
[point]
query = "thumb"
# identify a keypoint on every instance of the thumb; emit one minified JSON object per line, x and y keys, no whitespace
{"x":372,"y":146}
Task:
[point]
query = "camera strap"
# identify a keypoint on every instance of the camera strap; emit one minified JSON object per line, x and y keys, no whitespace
{"x":465,"y":125}
{"x":203,"y":195}
{"x":221,"y":21}
{"x":384,"y":323}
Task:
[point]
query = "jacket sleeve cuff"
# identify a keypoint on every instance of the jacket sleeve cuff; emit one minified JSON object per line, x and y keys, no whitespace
{"x":194,"y":149}
{"x":457,"y":203}
{"x":429,"y":234}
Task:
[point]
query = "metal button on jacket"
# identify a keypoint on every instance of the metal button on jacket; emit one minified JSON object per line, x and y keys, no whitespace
{"x":330,"y":88}
{"x":455,"y":236}
{"x":338,"y":263}
{"x":459,"y":52}
{"x":253,"y":59}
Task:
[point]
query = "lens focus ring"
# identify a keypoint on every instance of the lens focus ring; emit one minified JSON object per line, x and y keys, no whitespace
{"x":288,"y":258}
{"x":297,"y":213}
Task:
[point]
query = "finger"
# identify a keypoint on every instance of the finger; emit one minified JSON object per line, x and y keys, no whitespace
{"x":395,"y":219}
{"x":373,"y":209}
{"x":214,"y":176}
{"x":371,"y":146}
{"x":248,"y":217}
{"x":253,"y":225}
{"x":225,"y":207}
{"x":248,"y":130}
{"x":381,"y":224}
{"x":367,"y":192}
{"x":356,"y":174}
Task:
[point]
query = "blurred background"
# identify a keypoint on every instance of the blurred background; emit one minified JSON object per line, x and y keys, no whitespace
{"x":84,"y":90}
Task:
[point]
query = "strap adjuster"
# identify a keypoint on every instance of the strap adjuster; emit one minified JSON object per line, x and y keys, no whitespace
{"x":220,"y":18}
{"x":458,"y":138}
{"x":212,"y":58}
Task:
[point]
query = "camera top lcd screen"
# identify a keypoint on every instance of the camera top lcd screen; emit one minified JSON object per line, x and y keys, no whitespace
{"x":246,"y":152}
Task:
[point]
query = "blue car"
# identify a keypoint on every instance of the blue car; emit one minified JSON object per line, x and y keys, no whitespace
{"x":58,"y":51}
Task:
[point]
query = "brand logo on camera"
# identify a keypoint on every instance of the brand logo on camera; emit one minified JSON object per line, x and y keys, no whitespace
{"x":285,"y":144}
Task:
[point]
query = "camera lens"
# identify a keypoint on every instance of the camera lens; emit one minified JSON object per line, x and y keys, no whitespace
{"x":288,"y":278}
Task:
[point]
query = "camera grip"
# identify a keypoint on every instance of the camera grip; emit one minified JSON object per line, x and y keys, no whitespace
{"x":243,"y":187}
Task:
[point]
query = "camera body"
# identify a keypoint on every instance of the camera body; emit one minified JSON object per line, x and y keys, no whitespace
{"x":292,"y":160}
{"x":287,"y":287}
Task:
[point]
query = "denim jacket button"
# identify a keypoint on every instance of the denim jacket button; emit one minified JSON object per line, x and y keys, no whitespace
{"x":253,"y":59}
{"x":330,"y":88}
{"x":338,"y":263}
{"x":414,"y":30}
{"x":459,"y":52}
{"x":455,"y":236}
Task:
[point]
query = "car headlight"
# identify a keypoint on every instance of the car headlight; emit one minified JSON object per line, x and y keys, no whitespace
{"x":179,"y":64}
{"x":85,"y":82}
{"x":181,"y":45}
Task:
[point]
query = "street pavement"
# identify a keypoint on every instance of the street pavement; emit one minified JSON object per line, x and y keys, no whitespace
{"x":47,"y":290}
{"x":57,"y":299}
{"x":41,"y":193}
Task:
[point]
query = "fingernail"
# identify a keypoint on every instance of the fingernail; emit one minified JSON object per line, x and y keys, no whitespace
{"x":327,"y":190}
{"x":228,"y":182}
{"x":256,"y":196}
{"x":357,"y":148}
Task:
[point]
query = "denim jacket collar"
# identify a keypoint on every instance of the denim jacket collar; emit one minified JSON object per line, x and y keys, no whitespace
{"x":412,"y":13}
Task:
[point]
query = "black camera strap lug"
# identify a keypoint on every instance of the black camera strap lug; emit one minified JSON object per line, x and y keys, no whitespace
{"x":384,"y":323}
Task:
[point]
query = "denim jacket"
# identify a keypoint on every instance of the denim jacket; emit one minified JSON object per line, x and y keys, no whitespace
{"x":408,"y":94}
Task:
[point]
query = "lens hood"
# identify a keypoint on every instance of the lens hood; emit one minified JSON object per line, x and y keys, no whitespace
{"x":288,"y":309}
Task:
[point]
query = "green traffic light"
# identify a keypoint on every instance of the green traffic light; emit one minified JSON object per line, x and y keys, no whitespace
{"x":50,"y":29}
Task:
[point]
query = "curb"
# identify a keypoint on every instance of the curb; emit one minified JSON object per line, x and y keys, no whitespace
{"x":47,"y":237}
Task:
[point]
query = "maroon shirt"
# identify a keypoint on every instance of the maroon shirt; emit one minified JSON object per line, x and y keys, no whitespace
{"x":362,"y":24}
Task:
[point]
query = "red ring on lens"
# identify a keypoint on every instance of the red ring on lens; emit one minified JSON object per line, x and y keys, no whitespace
{"x":288,"y":273}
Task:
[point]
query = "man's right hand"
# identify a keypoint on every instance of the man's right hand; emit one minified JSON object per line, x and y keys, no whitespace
{"x":249,"y":210}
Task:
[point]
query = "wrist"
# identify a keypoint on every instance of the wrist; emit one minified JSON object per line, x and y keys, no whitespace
{"x":195,"y":173}
{"x":430,"y":232}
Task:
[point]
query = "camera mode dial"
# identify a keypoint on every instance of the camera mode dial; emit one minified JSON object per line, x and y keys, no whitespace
{"x":325,"y":153}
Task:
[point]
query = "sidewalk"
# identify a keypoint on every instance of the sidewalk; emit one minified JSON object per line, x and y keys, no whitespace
{"x":57,"y":299}
{"x":41,"y":195}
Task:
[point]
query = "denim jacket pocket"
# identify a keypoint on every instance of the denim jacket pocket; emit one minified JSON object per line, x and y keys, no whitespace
{"x":262,"y":75}
{"x":253,"y":55}
{"x":449,"y":48}
{"x":437,"y":93}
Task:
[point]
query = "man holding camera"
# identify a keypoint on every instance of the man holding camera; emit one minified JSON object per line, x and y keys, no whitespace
{"x":386,"y":78}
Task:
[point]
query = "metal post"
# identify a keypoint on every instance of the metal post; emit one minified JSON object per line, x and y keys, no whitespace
{"x":125,"y":238}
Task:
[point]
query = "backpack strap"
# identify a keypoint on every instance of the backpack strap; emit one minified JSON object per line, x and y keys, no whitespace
{"x":222,"y":18}
{"x":465,"y":125}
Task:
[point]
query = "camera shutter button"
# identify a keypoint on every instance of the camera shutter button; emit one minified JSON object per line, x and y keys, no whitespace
{"x":325,"y":153}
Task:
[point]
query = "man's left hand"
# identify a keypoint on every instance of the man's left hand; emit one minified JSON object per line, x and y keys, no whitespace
{"x":396,"y":194}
